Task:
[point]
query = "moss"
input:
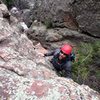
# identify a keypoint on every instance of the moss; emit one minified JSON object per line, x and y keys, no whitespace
{"x":48,"y":23}
{"x":98,"y":74}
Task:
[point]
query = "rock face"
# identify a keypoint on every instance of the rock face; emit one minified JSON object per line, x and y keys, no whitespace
{"x":55,"y":37}
{"x":40,"y":32}
{"x":49,"y":11}
{"x":26,"y":75}
{"x":73,"y":14}
{"x":88,"y":16}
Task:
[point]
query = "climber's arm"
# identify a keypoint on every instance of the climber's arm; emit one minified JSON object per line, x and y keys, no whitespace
{"x":51,"y":53}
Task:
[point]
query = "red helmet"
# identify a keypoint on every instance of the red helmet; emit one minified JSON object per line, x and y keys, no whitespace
{"x":67,"y":49}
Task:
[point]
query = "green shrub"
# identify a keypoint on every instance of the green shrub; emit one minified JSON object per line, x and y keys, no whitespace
{"x":80,"y":68}
{"x":8,"y":3}
{"x":87,"y":52}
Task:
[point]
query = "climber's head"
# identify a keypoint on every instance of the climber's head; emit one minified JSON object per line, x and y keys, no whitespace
{"x":65,"y":51}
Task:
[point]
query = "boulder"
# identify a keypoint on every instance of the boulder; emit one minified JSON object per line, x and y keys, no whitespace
{"x":4,"y":11}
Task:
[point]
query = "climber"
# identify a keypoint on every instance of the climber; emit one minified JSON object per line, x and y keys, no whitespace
{"x":62,"y":59}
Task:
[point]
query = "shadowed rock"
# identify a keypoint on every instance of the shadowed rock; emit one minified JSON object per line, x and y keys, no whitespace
{"x":73,"y":14}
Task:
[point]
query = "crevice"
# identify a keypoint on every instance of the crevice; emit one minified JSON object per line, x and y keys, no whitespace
{"x":88,"y":34}
{"x":12,"y":70}
{"x":74,"y":2}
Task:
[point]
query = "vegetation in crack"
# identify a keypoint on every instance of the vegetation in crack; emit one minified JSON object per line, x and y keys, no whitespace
{"x":80,"y":67}
{"x":8,"y":3}
{"x":88,"y":55}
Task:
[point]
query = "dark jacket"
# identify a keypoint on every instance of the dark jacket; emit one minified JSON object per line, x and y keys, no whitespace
{"x":56,"y":62}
